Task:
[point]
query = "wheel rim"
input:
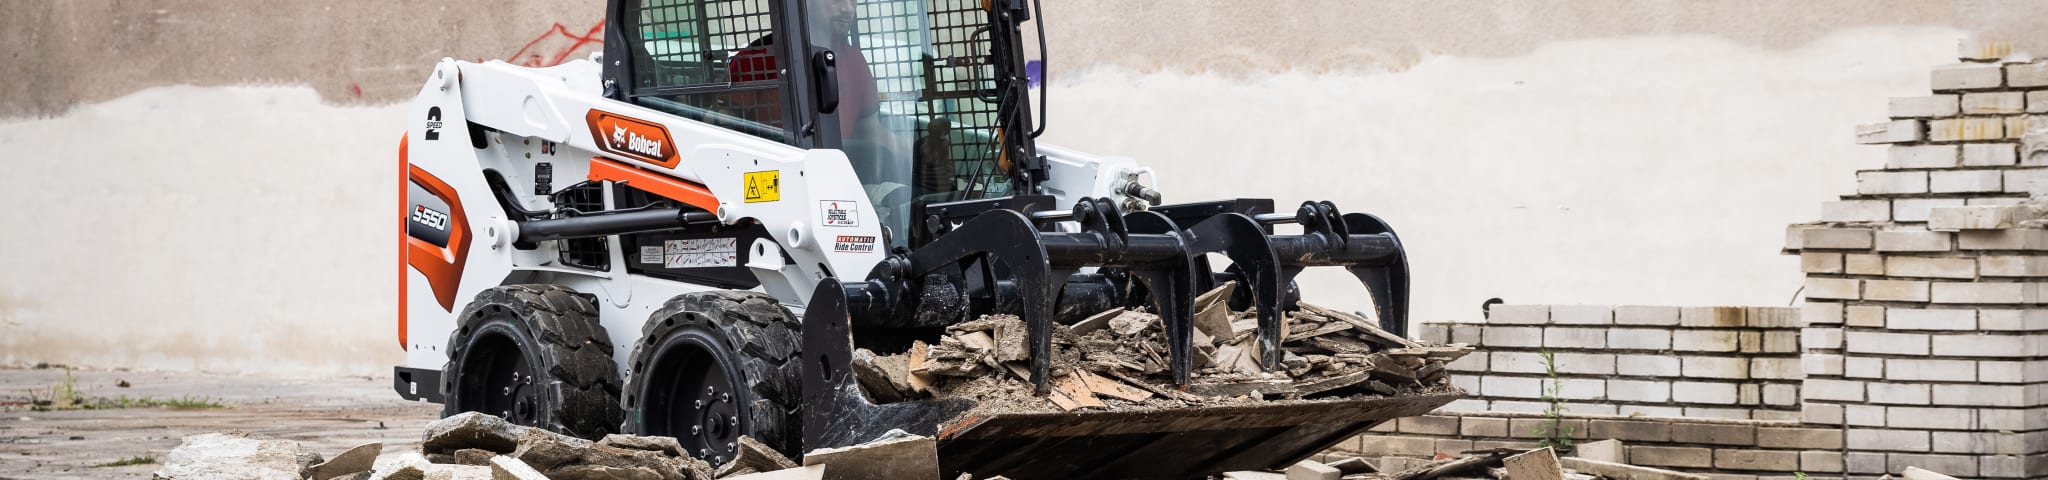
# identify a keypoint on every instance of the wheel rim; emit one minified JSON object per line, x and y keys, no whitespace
{"x":497,"y":379}
{"x":691,"y":397}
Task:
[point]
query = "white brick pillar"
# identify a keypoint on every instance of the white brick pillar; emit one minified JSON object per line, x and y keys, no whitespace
{"x":1926,"y":338}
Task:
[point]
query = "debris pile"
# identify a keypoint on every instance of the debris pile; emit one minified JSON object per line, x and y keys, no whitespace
{"x":1119,"y":358}
{"x":475,"y":446}
{"x":1493,"y":464}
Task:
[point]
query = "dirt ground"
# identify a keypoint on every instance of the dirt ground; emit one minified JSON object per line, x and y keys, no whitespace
{"x":327,"y":415}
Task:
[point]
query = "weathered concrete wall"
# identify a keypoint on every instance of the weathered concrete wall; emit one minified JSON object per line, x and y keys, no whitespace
{"x":207,"y":184}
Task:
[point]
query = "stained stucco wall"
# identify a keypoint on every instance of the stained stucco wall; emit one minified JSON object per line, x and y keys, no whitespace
{"x":207,"y":185}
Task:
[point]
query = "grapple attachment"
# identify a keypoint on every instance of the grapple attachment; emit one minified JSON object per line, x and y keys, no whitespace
{"x":1009,"y":256}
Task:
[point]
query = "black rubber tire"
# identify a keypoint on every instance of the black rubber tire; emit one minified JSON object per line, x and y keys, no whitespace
{"x":550,"y":336}
{"x":748,"y":339}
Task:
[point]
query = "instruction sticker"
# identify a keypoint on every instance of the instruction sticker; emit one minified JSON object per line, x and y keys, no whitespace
{"x":853,"y":244}
{"x":700,"y":252}
{"x":839,"y":213}
{"x":650,"y":254}
{"x":763,"y":186}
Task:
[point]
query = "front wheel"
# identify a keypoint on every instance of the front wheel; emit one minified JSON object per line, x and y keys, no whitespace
{"x":536,"y":356}
{"x":713,"y":366}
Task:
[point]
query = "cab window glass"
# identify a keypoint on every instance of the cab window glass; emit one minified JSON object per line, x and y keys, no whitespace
{"x":710,"y":60}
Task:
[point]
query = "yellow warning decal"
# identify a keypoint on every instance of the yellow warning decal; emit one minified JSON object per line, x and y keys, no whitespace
{"x":764,"y":186}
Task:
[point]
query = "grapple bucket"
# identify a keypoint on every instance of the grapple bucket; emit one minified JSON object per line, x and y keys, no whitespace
{"x":1186,"y":442}
{"x":1008,"y":256}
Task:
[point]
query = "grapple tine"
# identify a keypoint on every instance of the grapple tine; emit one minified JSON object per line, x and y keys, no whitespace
{"x":1038,"y":314}
{"x":1386,"y":278}
{"x":1172,"y":283}
{"x":1243,"y":241}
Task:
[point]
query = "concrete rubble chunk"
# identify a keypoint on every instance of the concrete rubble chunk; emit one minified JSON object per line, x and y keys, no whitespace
{"x":752,"y":456}
{"x":1917,"y":473}
{"x":545,"y":450}
{"x":474,"y":456}
{"x":236,"y":455}
{"x":1253,"y":476}
{"x":894,"y":456}
{"x":807,"y":472}
{"x":1620,"y":471}
{"x":1609,"y":451}
{"x":603,"y":472}
{"x":508,"y":468}
{"x":1131,"y":323}
{"x":359,"y":459}
{"x":459,"y":472}
{"x":1313,"y":470}
{"x":1538,"y":464}
{"x":664,"y":445}
{"x":410,"y":466}
{"x":1353,"y":465}
{"x":1013,"y":342}
{"x":878,"y":377}
{"x":471,"y":430}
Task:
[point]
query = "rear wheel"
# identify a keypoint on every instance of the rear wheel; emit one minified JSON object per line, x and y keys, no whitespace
{"x":535,"y":355}
{"x":713,"y":366}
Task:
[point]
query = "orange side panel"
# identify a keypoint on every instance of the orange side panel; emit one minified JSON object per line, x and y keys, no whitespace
{"x":666,"y":186}
{"x":403,"y":165}
{"x":442,"y":266}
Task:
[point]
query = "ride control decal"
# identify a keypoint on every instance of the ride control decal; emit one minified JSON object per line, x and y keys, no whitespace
{"x":632,"y":138}
{"x":839,"y":213}
{"x":764,"y":186}
{"x":853,"y":244}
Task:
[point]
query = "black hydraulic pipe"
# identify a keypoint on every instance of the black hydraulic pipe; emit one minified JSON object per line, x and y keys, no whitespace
{"x":1091,"y":249}
{"x":598,"y":225}
{"x":1318,"y":250}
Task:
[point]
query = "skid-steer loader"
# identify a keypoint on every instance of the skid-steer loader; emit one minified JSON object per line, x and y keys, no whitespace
{"x":688,"y":234}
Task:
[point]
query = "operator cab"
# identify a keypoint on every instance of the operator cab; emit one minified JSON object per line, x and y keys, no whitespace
{"x":925,"y":97}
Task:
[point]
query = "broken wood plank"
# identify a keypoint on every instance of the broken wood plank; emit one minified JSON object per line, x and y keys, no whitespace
{"x":977,"y":341}
{"x":920,"y":373}
{"x":1058,"y":399}
{"x":1228,"y":389}
{"x":1112,"y":388}
{"x":1332,"y":383}
{"x":1339,"y":344}
{"x":1538,"y":464}
{"x":1168,"y":393}
{"x":1077,"y":389}
{"x":1326,"y":329}
{"x":1212,"y":310}
{"x":1361,"y":324}
{"x":1097,"y":322}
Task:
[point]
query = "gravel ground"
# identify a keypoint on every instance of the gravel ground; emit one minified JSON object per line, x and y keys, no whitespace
{"x":328,"y":415}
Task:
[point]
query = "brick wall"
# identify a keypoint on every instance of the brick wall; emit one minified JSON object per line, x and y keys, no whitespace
{"x":1922,"y":338}
{"x":1925,"y":290}
{"x":1699,"y":362}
